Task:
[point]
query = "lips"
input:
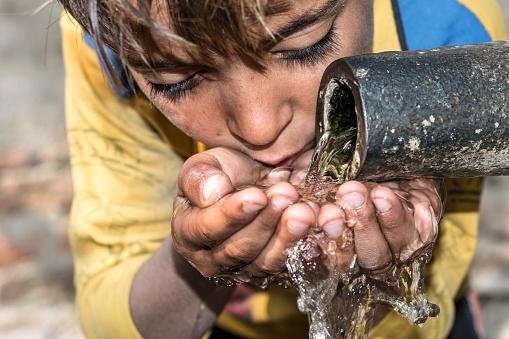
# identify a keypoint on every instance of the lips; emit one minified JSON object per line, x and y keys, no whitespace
{"x":289,"y":159}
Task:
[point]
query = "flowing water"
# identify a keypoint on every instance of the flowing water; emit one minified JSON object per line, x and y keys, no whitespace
{"x":342,"y":303}
{"x":341,"y":299}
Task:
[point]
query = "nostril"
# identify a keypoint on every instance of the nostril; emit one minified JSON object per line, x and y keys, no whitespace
{"x":256,"y":131}
{"x":250,"y":143}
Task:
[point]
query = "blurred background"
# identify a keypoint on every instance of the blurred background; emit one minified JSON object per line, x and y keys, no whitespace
{"x":36,"y":293}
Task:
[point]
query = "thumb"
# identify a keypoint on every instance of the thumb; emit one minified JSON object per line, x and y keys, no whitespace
{"x":203,"y":184}
{"x":208,"y":176}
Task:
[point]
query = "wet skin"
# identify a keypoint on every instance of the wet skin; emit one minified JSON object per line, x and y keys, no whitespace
{"x":253,"y":121}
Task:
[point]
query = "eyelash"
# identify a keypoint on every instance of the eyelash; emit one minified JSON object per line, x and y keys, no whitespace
{"x":177,"y":91}
{"x":308,"y":56}
{"x":314,"y":54}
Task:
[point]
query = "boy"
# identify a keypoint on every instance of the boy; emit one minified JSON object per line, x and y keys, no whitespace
{"x":241,"y":77}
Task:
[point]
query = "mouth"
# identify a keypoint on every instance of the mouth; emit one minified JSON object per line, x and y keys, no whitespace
{"x":287,"y":161}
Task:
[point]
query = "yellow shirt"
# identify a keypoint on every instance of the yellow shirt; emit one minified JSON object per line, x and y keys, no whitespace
{"x":125,"y":159}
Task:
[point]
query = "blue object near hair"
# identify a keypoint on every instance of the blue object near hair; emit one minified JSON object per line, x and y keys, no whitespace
{"x":122,"y":88}
{"x":434,"y":23}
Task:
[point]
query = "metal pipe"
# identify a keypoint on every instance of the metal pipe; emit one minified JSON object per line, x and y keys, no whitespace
{"x":441,"y":113}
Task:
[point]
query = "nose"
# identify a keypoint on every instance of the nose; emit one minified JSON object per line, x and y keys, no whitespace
{"x":259,"y":109}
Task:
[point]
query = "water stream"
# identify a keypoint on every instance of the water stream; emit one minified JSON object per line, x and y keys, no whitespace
{"x":342,"y":301}
{"x":340,"y":298}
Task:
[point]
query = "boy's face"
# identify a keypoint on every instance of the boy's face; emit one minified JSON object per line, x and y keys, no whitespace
{"x":268,"y":115}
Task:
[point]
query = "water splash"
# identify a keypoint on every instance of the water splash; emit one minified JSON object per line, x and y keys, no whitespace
{"x":342,"y":304}
{"x":341,"y":301}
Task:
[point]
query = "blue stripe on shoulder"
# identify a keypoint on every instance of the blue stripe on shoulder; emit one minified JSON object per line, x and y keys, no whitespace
{"x":434,"y":23}
{"x":122,"y":90}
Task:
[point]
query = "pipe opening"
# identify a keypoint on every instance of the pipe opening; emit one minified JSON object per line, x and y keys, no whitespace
{"x":339,"y":137}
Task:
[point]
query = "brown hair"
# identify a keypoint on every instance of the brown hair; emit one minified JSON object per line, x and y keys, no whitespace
{"x":202,"y":27}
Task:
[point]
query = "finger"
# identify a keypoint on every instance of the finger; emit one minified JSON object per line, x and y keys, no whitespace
{"x":294,"y":225}
{"x":425,"y":219}
{"x":206,"y":228}
{"x":424,"y":223}
{"x":331,"y":219}
{"x":240,"y":168}
{"x":298,"y":177}
{"x":246,"y":244}
{"x":430,"y":188}
{"x":204,"y":185}
{"x":278,"y":174}
{"x":208,"y":176}
{"x":370,"y":245}
{"x":421,"y":183}
{"x":395,"y":221}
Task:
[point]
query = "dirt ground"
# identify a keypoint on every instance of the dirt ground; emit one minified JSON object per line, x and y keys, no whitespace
{"x":36,"y":294}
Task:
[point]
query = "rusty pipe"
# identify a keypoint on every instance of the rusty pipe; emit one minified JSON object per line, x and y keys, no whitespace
{"x":440,"y":113}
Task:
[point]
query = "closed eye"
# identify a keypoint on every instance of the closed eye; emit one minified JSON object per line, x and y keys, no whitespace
{"x":314,"y":54}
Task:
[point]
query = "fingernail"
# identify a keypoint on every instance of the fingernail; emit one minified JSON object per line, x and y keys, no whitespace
{"x":353,"y":200}
{"x":382,"y":205}
{"x":297,"y":227}
{"x":251,"y":207}
{"x":210,"y":187}
{"x":298,"y":177}
{"x":279,"y":174}
{"x":333,"y":228}
{"x":281,"y":202}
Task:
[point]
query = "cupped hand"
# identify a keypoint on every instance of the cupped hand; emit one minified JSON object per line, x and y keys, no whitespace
{"x":382,"y":224}
{"x":222,"y":222}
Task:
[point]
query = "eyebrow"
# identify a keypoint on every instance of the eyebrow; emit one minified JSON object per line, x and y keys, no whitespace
{"x":331,"y":8}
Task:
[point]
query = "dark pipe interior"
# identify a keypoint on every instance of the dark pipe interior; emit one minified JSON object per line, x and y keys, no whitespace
{"x":340,"y":127}
{"x":341,"y":108}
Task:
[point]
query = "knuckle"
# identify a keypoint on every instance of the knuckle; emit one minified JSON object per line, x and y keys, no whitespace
{"x":392,"y":223}
{"x":202,"y":236}
{"x":234,"y":216}
{"x":230,"y":209}
{"x":267,"y":222}
{"x":392,"y":219}
{"x":236,"y":256}
{"x":206,"y":238}
{"x":375,"y":259}
{"x":365,"y":221}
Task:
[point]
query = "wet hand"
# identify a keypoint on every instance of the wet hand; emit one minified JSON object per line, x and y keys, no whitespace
{"x":223,"y":223}
{"x":389,"y":221}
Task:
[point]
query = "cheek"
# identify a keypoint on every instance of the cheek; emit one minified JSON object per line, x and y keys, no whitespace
{"x":306,"y":92}
{"x":196,"y":115}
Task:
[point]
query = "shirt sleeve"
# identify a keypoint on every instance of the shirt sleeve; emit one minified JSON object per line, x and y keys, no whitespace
{"x":124,"y":178}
